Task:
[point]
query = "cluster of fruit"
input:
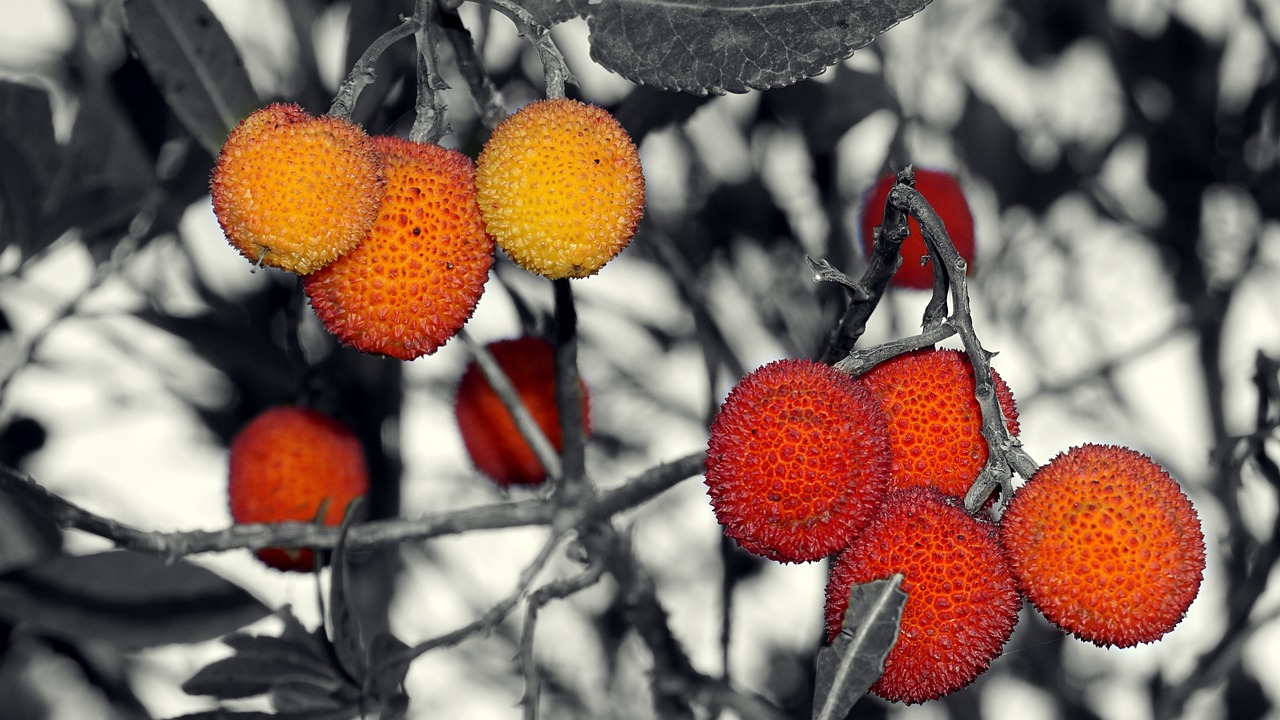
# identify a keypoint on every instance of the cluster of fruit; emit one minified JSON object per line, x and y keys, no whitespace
{"x":292,"y":464}
{"x":805,"y":462}
{"x":394,"y":238}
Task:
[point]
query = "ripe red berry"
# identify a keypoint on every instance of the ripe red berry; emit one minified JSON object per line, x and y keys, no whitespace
{"x":415,"y":279}
{"x":945,"y":195}
{"x":1105,"y":544}
{"x":284,"y":464}
{"x":935,"y":423}
{"x":489,"y":433}
{"x":797,"y":461}
{"x":962,"y":600}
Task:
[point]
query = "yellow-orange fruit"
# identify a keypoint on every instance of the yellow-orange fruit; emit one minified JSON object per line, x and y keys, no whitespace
{"x":294,"y":191}
{"x":962,"y":600}
{"x":797,"y":461}
{"x":560,"y":187}
{"x":935,"y":423}
{"x":1105,"y":544}
{"x":489,"y":433}
{"x":416,"y":278}
{"x":284,"y":464}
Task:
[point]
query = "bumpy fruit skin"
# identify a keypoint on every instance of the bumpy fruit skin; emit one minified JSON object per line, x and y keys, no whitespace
{"x":935,"y":423}
{"x":1105,"y":544}
{"x":945,"y":195}
{"x":560,"y":187}
{"x":284,"y":464}
{"x":797,"y":461}
{"x":294,"y":191}
{"x":489,"y":433}
{"x":962,"y":600}
{"x":416,"y":278}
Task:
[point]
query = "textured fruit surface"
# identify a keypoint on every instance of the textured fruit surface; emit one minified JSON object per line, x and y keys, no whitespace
{"x":489,"y":433}
{"x":962,"y":600}
{"x":284,"y":464}
{"x":1105,"y":544}
{"x":944,"y":194}
{"x":560,"y":187}
{"x":294,"y":191}
{"x":935,"y":423}
{"x":797,"y":461}
{"x":416,"y":279}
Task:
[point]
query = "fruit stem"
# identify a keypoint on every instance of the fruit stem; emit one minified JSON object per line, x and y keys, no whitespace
{"x":555,"y":71}
{"x":431,"y":120}
{"x":1004,"y":453}
{"x":506,"y":391}
{"x":362,"y":73}
{"x":568,"y":385}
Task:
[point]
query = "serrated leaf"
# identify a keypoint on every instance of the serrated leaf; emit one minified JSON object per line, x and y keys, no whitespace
{"x":849,"y":666}
{"x":196,"y":66}
{"x":127,"y":599}
{"x":734,"y":45}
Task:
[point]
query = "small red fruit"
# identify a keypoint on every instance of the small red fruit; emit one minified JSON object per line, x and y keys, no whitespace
{"x":945,"y":195}
{"x":489,"y":433}
{"x":962,"y":600}
{"x":935,"y":423}
{"x":797,"y":461}
{"x":1105,"y":544}
{"x":416,"y":278}
{"x":284,"y":464}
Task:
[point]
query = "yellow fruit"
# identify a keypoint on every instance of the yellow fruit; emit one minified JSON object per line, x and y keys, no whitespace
{"x":293,"y":191}
{"x":560,"y":188}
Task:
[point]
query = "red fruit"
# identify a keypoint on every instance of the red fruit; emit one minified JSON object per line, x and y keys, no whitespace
{"x":962,"y":600}
{"x":284,"y":464}
{"x":1105,"y":544}
{"x":415,"y":279}
{"x":797,"y":461}
{"x":489,"y":432}
{"x":935,"y":423}
{"x":944,"y":194}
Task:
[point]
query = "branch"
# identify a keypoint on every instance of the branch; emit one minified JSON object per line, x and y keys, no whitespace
{"x":556,"y":590}
{"x":362,"y":73}
{"x":555,"y":70}
{"x":568,"y":391}
{"x":430,"y":121}
{"x":1004,"y":453}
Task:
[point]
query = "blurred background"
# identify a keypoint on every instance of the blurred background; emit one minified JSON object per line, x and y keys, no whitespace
{"x":1122,"y":160}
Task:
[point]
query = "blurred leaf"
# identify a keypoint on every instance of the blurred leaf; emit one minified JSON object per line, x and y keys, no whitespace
{"x":308,"y":694}
{"x":549,"y":13}
{"x":734,"y":45}
{"x":389,"y":662}
{"x":195,"y":64}
{"x":28,"y":155}
{"x":396,"y":708}
{"x":127,"y":599}
{"x":848,"y":667}
{"x":224,"y":714}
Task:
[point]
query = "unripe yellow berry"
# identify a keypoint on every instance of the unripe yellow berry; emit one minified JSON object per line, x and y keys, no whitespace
{"x":560,"y":188}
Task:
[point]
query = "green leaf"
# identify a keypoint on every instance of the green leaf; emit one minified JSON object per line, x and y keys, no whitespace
{"x":127,"y":599}
{"x":734,"y":45}
{"x":194,"y":63}
{"x":848,"y":667}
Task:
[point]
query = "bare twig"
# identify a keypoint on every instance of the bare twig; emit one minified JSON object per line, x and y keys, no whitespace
{"x":555,"y":590}
{"x":431,"y":121}
{"x":362,"y":73}
{"x":1004,"y":453}
{"x":555,"y":70}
